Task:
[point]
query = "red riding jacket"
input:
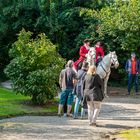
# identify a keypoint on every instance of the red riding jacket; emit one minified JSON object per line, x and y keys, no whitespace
{"x":83,"y":51}
{"x":99,"y":51}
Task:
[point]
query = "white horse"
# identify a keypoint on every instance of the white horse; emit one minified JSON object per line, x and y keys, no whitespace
{"x":91,"y":56}
{"x":104,"y":68}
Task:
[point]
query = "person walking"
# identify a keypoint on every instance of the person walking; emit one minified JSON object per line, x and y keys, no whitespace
{"x":83,"y":51}
{"x":78,"y":89}
{"x":93,"y":94}
{"x":65,"y":104}
{"x":67,"y":80}
{"x":132,"y":68}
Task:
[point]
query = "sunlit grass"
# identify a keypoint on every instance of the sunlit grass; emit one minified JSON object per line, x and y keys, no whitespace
{"x":12,"y":104}
{"x":133,"y":134}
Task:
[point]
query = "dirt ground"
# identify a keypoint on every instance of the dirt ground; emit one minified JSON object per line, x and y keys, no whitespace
{"x":118,"y":112}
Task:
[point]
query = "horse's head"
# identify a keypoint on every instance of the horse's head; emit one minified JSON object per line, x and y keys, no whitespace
{"x":92,"y":52}
{"x":114,"y":59}
{"x":91,"y":56}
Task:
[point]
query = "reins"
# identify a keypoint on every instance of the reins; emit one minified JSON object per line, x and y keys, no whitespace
{"x":101,"y":64}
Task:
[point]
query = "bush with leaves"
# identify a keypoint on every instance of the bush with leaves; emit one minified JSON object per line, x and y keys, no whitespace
{"x":120,"y":29}
{"x":35,"y":67}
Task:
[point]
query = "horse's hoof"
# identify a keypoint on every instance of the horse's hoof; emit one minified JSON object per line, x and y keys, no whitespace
{"x":106,"y":96}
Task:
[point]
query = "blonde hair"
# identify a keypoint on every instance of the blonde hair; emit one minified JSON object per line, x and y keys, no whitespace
{"x":92,"y":70}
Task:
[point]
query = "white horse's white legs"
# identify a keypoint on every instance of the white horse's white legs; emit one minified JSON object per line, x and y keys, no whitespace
{"x":105,"y":84}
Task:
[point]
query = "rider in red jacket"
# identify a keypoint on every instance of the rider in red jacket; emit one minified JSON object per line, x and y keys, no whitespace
{"x":99,"y":51}
{"x":83,"y":51}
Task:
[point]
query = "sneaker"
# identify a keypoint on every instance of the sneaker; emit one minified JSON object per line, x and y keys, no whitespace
{"x":93,"y":124}
{"x":65,"y":115}
{"x":75,"y":117}
{"x":127,"y":93}
{"x":59,"y":115}
{"x":106,"y":96}
{"x":90,"y":124}
{"x":69,"y":115}
{"x":81,"y":118}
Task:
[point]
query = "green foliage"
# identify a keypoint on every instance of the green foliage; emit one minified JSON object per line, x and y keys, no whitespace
{"x":35,"y":67}
{"x":14,"y":14}
{"x":121,"y":22}
{"x":60,"y":20}
{"x":68,"y":22}
{"x":119,"y":28}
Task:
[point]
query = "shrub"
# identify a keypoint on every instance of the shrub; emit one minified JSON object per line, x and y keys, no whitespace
{"x":35,"y":67}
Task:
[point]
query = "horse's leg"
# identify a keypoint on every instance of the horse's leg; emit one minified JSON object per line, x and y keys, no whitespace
{"x":105,"y":84}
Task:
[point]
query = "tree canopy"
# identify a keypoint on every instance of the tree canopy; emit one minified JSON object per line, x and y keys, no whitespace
{"x":67,"y":22}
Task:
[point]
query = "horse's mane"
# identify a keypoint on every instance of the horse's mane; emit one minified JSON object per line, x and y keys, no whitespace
{"x":107,"y":55}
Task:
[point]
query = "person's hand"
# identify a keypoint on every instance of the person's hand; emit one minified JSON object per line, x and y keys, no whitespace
{"x":74,"y":100}
{"x":127,"y":71}
{"x":86,"y":55}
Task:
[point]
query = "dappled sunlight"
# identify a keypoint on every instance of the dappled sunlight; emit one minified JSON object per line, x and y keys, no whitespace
{"x":132,"y":134}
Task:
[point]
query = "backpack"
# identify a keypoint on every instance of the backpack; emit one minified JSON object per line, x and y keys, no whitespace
{"x":79,"y":86}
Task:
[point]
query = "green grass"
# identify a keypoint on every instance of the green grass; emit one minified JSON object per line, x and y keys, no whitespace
{"x":132,"y":134}
{"x":12,"y":104}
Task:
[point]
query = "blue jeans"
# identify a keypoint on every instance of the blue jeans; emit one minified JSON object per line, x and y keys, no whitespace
{"x":76,"y":107}
{"x":83,"y":112}
{"x":132,"y":78}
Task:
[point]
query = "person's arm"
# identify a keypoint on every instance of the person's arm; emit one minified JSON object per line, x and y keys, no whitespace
{"x":82,"y":53}
{"x":83,"y":88}
{"x":74,"y":82}
{"x":138,"y":66}
{"x":74,"y":78}
{"x":126,"y":66}
{"x":60,"y":79}
{"x":101,"y":83}
{"x":102,"y":52}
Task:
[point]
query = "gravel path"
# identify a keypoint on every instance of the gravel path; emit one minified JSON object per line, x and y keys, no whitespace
{"x":6,"y":84}
{"x":117,"y":113}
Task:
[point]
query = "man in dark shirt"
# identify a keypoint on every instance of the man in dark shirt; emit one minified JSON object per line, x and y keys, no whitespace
{"x":67,"y":80}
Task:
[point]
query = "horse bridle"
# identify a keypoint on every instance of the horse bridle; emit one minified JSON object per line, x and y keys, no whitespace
{"x":113,"y":61}
{"x":92,"y":56}
{"x":101,"y":64}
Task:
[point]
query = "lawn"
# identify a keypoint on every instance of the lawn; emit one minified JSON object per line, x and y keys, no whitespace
{"x":132,"y":134}
{"x":12,"y":104}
